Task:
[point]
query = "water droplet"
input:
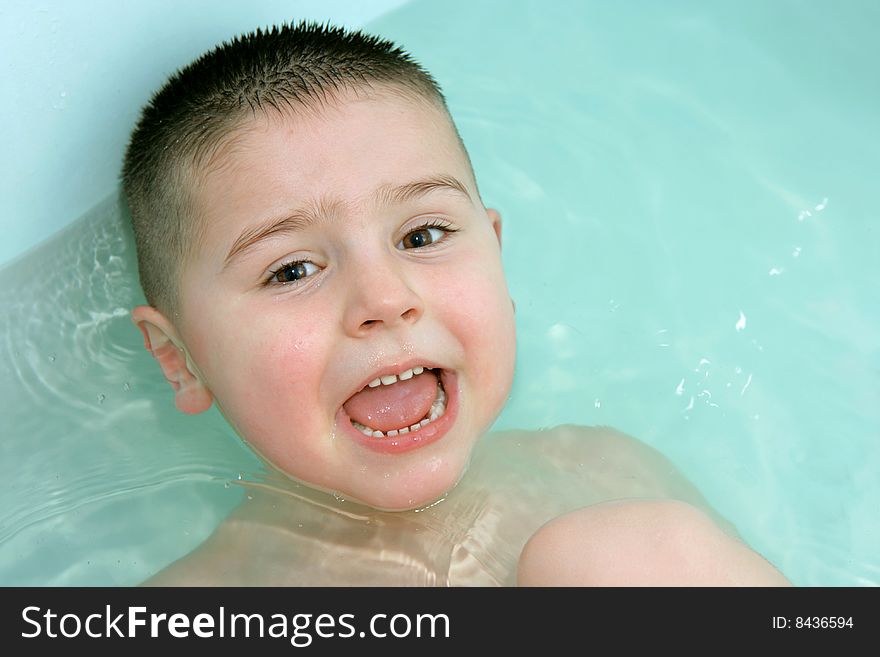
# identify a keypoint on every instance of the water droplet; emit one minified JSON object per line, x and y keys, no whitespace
{"x":746,"y":386}
{"x":741,"y":322}
{"x":51,"y":358}
{"x":126,"y":387}
{"x":250,"y":497}
{"x":225,"y":484}
{"x":240,"y":477}
{"x":101,"y":398}
{"x":597,"y":403}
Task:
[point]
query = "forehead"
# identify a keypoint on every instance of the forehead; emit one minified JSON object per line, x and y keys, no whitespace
{"x":341,"y":154}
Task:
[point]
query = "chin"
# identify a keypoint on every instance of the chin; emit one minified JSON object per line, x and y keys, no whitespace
{"x":415,"y":489}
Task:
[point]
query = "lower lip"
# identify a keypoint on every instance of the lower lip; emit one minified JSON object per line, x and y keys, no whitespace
{"x":428,"y":434}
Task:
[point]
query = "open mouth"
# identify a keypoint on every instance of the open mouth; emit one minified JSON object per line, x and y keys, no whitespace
{"x":398,"y":412}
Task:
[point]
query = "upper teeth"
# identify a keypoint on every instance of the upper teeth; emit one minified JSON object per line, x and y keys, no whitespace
{"x":393,"y":378}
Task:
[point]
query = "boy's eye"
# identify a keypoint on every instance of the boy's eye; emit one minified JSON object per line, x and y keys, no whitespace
{"x":424,"y":236}
{"x":293,"y":272}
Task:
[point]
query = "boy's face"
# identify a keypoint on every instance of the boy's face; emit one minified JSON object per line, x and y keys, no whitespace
{"x":288,"y":356}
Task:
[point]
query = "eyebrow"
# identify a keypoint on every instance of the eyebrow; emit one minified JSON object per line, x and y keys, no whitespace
{"x":313,"y":212}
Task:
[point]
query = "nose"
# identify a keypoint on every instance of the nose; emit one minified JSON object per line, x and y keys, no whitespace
{"x":380,"y":296}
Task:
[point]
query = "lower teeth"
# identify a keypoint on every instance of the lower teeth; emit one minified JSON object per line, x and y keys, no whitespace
{"x":438,"y":408}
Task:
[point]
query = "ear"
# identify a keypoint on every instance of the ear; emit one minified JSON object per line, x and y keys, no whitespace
{"x":161,"y":340}
{"x":495,"y":217}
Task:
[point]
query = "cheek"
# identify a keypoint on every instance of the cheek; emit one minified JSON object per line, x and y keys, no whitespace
{"x":290,"y":354}
{"x":262,"y":374}
{"x":479,"y":311}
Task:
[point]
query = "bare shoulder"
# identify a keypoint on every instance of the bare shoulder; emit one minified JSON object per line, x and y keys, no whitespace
{"x":245,"y":549}
{"x":615,"y":464}
{"x":190,"y":570}
{"x":599,"y":448}
{"x":275,"y":538}
{"x":213,"y":563}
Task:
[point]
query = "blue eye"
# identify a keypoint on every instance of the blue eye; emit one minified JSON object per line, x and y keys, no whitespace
{"x":430,"y":233}
{"x":292,"y":272}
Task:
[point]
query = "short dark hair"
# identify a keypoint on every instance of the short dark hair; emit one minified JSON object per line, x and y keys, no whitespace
{"x":288,"y":68}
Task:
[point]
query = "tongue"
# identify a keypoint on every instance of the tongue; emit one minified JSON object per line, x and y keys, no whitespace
{"x":399,"y":405}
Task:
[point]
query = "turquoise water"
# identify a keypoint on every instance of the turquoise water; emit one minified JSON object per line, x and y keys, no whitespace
{"x":688,"y":191}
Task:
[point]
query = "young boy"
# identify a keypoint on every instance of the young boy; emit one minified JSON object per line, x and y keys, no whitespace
{"x":318,"y":262}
